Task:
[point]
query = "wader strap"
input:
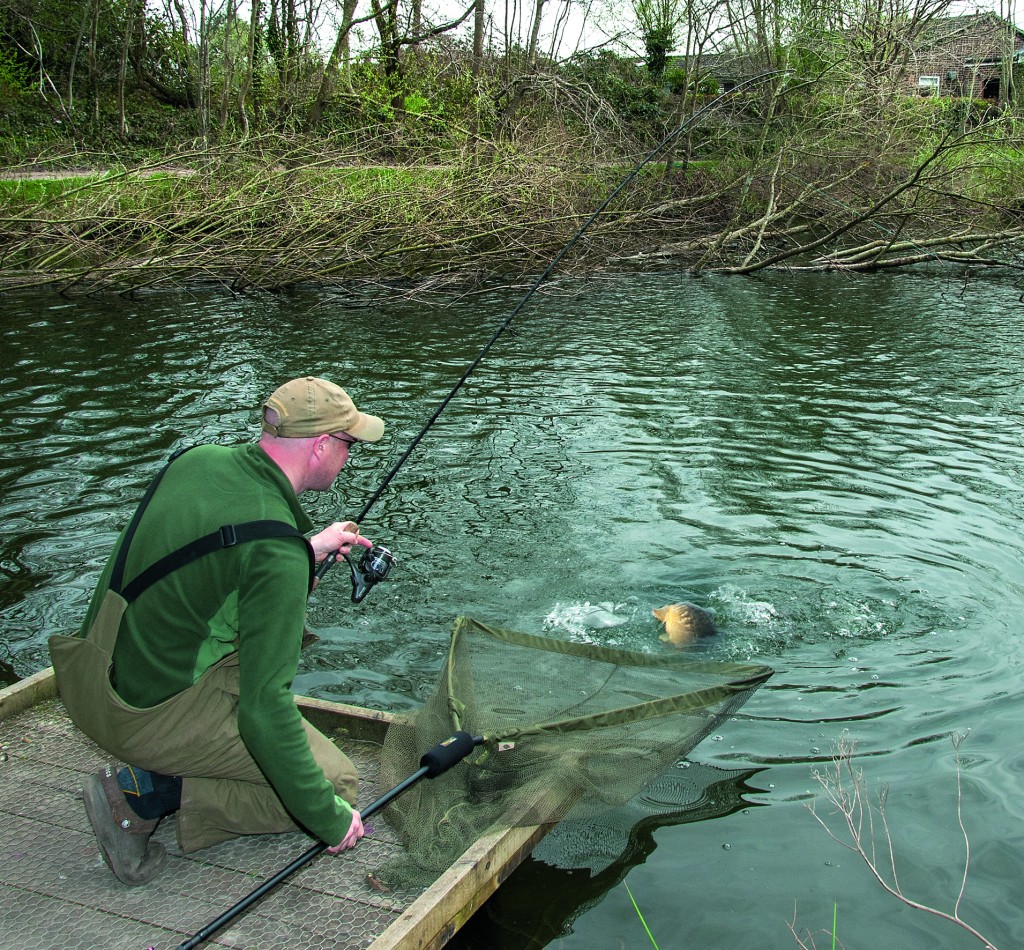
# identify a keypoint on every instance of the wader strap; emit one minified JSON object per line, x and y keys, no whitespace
{"x":117,"y":575}
{"x":225,"y":537}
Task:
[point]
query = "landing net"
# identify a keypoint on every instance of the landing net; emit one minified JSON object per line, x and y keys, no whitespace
{"x":567,"y":726}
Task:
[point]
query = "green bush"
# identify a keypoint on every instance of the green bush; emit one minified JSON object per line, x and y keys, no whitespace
{"x":680,"y":81}
{"x":14,"y":79}
{"x":622,"y":83}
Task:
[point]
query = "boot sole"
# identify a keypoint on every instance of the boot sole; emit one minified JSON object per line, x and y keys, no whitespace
{"x":111,"y":838}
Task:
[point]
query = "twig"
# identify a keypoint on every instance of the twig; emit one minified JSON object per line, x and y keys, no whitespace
{"x":846,"y":788}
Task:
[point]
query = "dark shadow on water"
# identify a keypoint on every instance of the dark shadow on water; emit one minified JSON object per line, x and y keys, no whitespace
{"x":7,"y":675}
{"x":575,"y":867}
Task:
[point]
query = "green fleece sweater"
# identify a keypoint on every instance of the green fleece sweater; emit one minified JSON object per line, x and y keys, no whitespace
{"x":250,"y":598}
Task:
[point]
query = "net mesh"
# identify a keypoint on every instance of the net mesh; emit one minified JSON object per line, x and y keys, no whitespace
{"x":567,"y":726}
{"x":687,"y":792}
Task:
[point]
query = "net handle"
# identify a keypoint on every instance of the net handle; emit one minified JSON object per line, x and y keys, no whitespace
{"x":434,"y":762}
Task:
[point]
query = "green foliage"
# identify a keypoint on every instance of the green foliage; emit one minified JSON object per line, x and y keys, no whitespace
{"x":376,"y":91}
{"x":679,"y":81}
{"x":424,"y":111}
{"x":925,"y":119}
{"x":811,"y":56}
{"x":16,"y":194}
{"x":14,"y":81}
{"x":14,"y":75}
{"x":443,"y":75}
{"x":658,"y":42}
{"x":274,"y":41}
{"x":631,"y":92}
{"x":415,"y":104}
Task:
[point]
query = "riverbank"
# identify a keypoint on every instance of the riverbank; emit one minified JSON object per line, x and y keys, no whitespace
{"x":247,"y":223}
{"x":270,"y":220}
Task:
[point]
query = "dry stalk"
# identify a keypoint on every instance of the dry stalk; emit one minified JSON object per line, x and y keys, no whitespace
{"x":807,"y":941}
{"x":269,"y":223}
{"x":846,"y":788}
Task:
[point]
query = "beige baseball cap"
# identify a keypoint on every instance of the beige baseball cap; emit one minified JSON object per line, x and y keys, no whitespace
{"x":310,"y":406}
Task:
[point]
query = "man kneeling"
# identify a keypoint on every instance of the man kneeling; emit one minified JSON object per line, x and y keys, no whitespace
{"x":184,"y":664}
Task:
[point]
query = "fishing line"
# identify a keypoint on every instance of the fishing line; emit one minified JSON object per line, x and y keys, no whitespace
{"x":325,"y":566}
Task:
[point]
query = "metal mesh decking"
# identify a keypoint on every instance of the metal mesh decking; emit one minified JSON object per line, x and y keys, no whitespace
{"x":56,"y":892}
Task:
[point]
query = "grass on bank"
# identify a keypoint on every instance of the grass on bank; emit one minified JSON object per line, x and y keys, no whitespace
{"x":26,"y":192}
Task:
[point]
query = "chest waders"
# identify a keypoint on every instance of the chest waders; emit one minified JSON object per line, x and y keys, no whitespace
{"x":83,"y":665}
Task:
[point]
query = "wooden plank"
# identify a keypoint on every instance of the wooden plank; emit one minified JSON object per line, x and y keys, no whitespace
{"x":432,"y":920}
{"x":359,"y":723}
{"x":27,"y":692}
{"x":43,"y":685}
{"x":447,"y":905}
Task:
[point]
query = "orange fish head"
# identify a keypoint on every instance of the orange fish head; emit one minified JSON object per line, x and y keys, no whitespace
{"x":684,"y":622}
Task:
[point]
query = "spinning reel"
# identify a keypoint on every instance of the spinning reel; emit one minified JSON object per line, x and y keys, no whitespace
{"x":374,"y":566}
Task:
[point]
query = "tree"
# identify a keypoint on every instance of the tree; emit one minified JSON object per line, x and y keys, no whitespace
{"x":394,"y":30}
{"x":339,"y":56}
{"x":700,"y":24}
{"x":133,"y":13}
{"x":659,"y":22}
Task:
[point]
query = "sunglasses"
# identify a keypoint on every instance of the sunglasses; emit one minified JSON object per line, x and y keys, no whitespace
{"x":340,"y":439}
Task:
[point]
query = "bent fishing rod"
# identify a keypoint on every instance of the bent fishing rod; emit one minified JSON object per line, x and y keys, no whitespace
{"x":376,"y":562}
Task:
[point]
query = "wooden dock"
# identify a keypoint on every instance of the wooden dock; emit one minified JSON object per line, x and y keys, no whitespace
{"x":56,"y":891}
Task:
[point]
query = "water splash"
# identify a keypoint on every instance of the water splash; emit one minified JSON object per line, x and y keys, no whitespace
{"x":581,"y":618}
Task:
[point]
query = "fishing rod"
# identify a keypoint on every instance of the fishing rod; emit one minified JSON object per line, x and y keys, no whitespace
{"x":376,"y":562}
{"x":434,"y":762}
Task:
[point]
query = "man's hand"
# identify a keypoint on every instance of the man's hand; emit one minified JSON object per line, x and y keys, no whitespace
{"x":355,"y":832}
{"x":341,"y":536}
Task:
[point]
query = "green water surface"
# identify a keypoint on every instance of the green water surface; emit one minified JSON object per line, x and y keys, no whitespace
{"x":834,"y":465}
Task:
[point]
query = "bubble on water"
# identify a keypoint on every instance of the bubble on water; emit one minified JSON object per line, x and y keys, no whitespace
{"x":736,"y":604}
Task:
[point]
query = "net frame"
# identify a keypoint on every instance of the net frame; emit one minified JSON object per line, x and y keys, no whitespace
{"x":747,"y":677}
{"x":566,"y":726}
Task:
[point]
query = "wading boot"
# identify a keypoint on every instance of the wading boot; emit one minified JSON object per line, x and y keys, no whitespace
{"x":122,"y":835}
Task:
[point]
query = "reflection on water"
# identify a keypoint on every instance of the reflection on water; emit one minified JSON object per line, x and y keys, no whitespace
{"x":577,"y":864}
{"x":835,"y":467}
